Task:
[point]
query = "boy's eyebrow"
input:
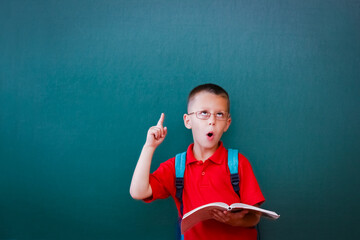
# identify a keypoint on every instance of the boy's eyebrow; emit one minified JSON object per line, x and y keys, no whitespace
{"x":209,"y":110}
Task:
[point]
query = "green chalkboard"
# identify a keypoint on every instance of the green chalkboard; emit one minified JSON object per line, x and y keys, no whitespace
{"x":82,"y":81}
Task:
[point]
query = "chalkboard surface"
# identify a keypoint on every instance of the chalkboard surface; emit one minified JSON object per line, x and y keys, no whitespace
{"x":82,"y":81}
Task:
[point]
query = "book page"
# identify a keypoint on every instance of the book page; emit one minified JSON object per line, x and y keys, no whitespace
{"x":200,"y":214}
{"x":264,"y":212}
{"x":204,"y":212}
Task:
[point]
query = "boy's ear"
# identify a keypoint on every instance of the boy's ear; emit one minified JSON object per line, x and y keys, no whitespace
{"x":228,"y":122}
{"x":187,"y":122}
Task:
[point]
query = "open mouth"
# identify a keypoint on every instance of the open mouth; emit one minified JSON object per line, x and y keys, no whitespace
{"x":210,"y":134}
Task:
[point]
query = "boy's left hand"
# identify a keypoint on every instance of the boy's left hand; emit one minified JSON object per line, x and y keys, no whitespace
{"x":231,"y":218}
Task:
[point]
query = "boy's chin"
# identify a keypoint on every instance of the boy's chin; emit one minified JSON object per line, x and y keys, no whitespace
{"x":209,"y":144}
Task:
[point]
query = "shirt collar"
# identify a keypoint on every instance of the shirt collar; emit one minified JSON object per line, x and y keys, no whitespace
{"x":217,"y":157}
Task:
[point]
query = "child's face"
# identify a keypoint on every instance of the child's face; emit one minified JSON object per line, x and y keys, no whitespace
{"x":207,"y":133}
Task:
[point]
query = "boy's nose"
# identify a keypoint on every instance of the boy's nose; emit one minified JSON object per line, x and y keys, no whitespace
{"x":212,"y":120}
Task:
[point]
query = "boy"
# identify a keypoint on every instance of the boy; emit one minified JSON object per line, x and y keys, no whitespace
{"x":207,"y":176}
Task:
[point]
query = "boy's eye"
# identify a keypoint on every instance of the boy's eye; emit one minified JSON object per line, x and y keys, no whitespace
{"x":204,"y":113}
{"x":220,"y":114}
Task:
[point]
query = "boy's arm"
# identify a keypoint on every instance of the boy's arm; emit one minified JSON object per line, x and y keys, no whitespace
{"x":243,"y":218}
{"x":140,"y":187}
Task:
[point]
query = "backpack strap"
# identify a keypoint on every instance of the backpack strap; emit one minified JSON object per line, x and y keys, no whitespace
{"x":180,"y":163}
{"x":180,"y":160}
{"x":233,"y":163}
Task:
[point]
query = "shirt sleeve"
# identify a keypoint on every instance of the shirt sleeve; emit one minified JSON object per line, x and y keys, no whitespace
{"x":162,"y":181}
{"x":250,"y":192}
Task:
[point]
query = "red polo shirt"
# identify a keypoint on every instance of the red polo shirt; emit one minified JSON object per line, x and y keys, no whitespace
{"x":206,"y":182}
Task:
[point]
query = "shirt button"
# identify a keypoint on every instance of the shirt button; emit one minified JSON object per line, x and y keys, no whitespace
{"x":203,"y":173}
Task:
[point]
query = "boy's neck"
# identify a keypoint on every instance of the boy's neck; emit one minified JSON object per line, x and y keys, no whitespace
{"x":202,"y":154}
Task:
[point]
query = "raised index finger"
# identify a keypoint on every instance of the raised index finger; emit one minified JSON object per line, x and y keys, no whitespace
{"x":161,"y":120}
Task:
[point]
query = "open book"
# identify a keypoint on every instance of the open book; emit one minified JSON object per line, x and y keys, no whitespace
{"x":204,"y":212}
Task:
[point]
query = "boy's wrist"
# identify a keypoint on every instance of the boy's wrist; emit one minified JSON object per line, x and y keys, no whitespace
{"x":149,"y":147}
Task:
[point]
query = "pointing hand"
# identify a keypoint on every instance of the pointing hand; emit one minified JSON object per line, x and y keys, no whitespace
{"x":156,"y":134}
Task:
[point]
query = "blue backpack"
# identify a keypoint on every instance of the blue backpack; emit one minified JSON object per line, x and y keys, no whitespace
{"x":180,"y":161}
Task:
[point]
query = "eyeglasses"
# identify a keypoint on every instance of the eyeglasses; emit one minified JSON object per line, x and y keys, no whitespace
{"x":204,"y":115}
